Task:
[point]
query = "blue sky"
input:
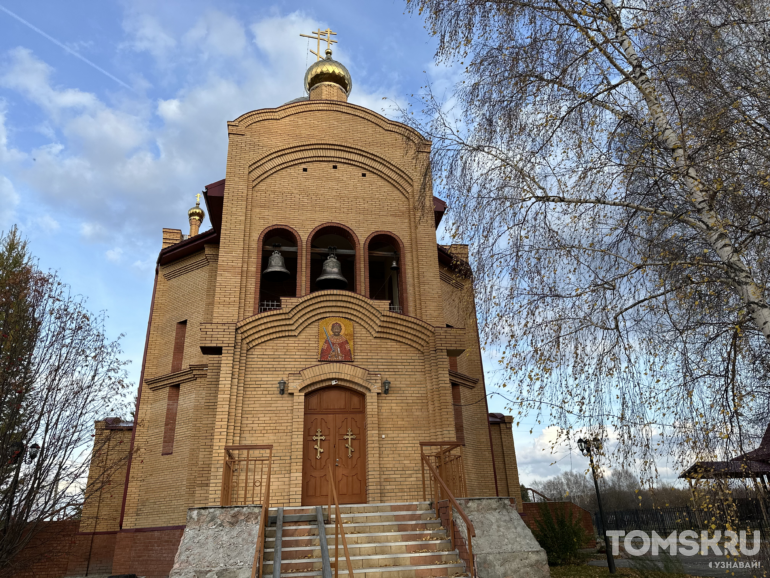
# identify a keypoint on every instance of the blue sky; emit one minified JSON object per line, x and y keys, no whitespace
{"x":113,"y":116}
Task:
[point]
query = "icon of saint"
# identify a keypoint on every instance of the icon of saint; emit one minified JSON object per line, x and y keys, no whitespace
{"x":336,"y":346}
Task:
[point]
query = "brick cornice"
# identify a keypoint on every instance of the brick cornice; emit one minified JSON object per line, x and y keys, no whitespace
{"x":215,"y":337}
{"x":178,"y":377}
{"x":462,"y":379}
{"x":244,"y":121}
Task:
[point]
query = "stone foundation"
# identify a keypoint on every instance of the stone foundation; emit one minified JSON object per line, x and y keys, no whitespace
{"x":504,"y":546}
{"x":218,"y":543}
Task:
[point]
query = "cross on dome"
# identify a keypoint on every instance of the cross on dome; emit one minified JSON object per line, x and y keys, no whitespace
{"x":318,"y":35}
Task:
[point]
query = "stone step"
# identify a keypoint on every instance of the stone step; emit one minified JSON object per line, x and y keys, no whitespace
{"x":363,"y":549}
{"x":457,"y":569}
{"x":359,"y":517}
{"x":359,"y":508}
{"x":376,"y":561}
{"x":291,"y":521}
{"x":378,"y":537}
{"x":359,"y":528}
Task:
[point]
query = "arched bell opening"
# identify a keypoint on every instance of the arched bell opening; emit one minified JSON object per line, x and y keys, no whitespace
{"x":332,"y":258}
{"x":385,"y":276}
{"x":279,"y":267}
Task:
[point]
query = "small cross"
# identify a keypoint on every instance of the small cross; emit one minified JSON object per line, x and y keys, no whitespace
{"x":350,"y":437}
{"x":318,"y":438}
{"x":319,"y":36}
{"x":198,"y":199}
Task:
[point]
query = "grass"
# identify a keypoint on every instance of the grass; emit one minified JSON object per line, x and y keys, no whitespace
{"x":583,"y":571}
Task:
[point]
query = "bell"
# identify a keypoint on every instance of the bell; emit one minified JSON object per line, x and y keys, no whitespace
{"x":394,"y":265}
{"x":276,"y":268}
{"x":331,"y":274}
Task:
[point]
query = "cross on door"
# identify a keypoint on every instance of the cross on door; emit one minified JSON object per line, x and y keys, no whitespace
{"x":318,"y":438}
{"x":350,"y":437}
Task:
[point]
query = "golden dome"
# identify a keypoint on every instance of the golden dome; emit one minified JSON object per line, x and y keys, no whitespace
{"x":328,"y":70}
{"x":196,"y":212}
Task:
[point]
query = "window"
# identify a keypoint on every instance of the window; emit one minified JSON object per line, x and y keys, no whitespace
{"x":457,"y":404}
{"x":178,"y":356}
{"x":274,"y":281}
{"x":385,"y":278}
{"x":169,"y":427}
{"x":343,"y":244}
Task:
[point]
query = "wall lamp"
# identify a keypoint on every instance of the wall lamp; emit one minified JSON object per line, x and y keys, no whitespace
{"x":386,"y":387}
{"x":282,"y":387}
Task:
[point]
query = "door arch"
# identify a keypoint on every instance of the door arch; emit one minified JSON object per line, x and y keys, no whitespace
{"x":334,"y":432}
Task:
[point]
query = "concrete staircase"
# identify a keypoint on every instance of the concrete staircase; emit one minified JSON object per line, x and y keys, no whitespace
{"x":404,"y":540}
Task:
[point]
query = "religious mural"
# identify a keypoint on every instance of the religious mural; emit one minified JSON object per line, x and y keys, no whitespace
{"x":335,"y":338}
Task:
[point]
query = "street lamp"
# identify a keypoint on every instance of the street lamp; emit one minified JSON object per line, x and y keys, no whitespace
{"x":17,"y":450}
{"x":585,"y":449}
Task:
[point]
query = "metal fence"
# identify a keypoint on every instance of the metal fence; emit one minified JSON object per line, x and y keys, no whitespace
{"x":665,"y":520}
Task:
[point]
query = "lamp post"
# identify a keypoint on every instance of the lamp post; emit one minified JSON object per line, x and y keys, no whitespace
{"x":585,"y":449}
{"x":17,"y":457}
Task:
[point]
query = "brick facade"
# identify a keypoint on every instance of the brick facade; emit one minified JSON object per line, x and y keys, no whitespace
{"x":213,"y":362}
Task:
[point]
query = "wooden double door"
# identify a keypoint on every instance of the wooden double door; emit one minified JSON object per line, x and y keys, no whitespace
{"x":334,"y":433}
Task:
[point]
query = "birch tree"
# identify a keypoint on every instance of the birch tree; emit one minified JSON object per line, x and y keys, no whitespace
{"x":608,"y":164}
{"x":59,"y":372}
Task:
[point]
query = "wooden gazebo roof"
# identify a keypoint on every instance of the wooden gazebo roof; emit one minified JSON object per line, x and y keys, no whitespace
{"x":753,"y":464}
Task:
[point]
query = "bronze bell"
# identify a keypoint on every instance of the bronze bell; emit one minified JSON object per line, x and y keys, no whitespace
{"x":331,"y":274}
{"x":276,"y":268}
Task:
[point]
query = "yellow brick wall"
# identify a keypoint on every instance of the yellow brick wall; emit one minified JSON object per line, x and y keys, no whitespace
{"x":459,"y":311}
{"x":106,"y":479}
{"x":162,"y":487}
{"x":505,"y":460}
{"x":234,"y":399}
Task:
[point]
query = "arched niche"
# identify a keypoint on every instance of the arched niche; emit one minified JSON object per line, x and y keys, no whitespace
{"x":385,"y":270}
{"x":347,"y":252}
{"x":268,"y":291}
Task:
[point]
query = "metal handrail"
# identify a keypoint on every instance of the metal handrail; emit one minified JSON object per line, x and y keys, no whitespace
{"x":259,"y":551}
{"x":450,"y":465}
{"x":534,"y":491}
{"x":339,"y":530}
{"x":245,"y":493}
{"x":440,"y":484}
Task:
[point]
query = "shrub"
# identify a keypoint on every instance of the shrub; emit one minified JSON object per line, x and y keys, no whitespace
{"x":559,"y":532}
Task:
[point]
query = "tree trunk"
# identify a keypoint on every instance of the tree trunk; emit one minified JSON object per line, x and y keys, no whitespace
{"x":751,"y":293}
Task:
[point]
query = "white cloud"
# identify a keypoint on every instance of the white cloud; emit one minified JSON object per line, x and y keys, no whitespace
{"x":23,"y":72}
{"x":47,"y":224}
{"x":217,"y":33}
{"x":115,"y":254}
{"x":93,"y":231}
{"x":122,"y":169}
{"x":144,"y":265}
{"x":146,"y":34}
{"x":9,"y":200}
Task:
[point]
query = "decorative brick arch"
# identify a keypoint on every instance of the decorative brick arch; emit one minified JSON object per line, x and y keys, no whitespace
{"x":401,"y":274}
{"x":351,"y":377}
{"x":258,"y":278}
{"x":246,"y":120}
{"x":344,"y":231}
{"x":315,"y":151}
{"x":344,"y":374}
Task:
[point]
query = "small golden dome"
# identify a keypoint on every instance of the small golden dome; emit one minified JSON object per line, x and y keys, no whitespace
{"x":196,"y":212}
{"x":328,"y":70}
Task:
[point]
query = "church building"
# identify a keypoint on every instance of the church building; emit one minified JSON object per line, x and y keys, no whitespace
{"x":308,"y":323}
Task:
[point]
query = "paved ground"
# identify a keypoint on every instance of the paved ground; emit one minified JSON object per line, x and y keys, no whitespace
{"x":711,"y":565}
